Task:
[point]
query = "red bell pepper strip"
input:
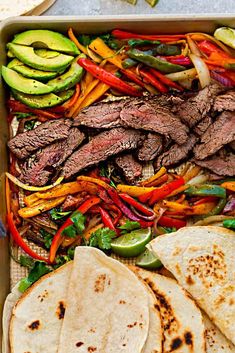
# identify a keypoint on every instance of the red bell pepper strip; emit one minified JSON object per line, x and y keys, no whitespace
{"x":133,"y":77}
{"x":116,"y":210}
{"x":108,"y":78}
{"x":207,"y":47}
{"x":165,"y":80}
{"x":205,"y":200}
{"x":128,"y":35}
{"x":145,"y":224}
{"x":178,"y":60}
{"x":58,"y":237}
{"x":118,"y":202}
{"x":161,"y":192}
{"x":165,"y":221}
{"x":149,"y":78}
{"x":16,"y":106}
{"x":106,"y":219}
{"x":140,"y":207}
{"x":222,"y":78}
{"x":20,"y":241}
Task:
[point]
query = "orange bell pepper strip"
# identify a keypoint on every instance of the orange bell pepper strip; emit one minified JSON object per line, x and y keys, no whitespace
{"x":40,"y":207}
{"x":191,"y":173}
{"x":135,"y":191}
{"x":159,"y":173}
{"x":20,"y":241}
{"x":95,"y":181}
{"x":201,"y":209}
{"x":59,"y":237}
{"x":229,"y":185}
{"x":76,"y":42}
{"x":162,"y":180}
{"x":176,"y":206}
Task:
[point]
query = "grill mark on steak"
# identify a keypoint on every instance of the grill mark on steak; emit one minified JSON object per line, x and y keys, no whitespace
{"x":100,"y":147}
{"x":220,"y":133}
{"x":104,"y":115}
{"x":225,"y":101}
{"x":140,"y":114}
{"x":151,"y":148}
{"x":221,"y":164}
{"x":40,"y":169}
{"x":22,"y":145}
{"x":176,"y":153}
{"x":130,"y":168}
{"x":203,"y":125}
{"x":193,"y":110}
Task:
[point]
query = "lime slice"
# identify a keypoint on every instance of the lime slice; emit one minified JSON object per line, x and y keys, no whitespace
{"x":226,"y":35}
{"x":148,"y":260}
{"x":131,"y":244}
{"x":152,"y":2}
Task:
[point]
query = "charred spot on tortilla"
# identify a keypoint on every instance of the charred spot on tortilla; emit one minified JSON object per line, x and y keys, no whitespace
{"x":122,"y":302}
{"x":132,"y":325}
{"x":79,"y":344}
{"x":43,"y":296}
{"x":100,"y":283}
{"x":189,"y":280}
{"x":34,"y":325}
{"x":188,"y":338}
{"x":91,"y":349}
{"x":177,"y":343}
{"x":60,"y":310}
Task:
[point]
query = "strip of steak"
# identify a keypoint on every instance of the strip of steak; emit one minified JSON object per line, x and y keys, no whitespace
{"x":38,"y":171}
{"x":176,"y":153}
{"x":130,"y":168}
{"x":203,"y":125}
{"x":220,"y":165}
{"x":104,"y":115}
{"x":225,"y":101}
{"x":220,"y":133}
{"x":23,"y":145}
{"x":197,"y":107}
{"x":154,"y":117}
{"x":151,"y":148}
{"x":100,"y":147}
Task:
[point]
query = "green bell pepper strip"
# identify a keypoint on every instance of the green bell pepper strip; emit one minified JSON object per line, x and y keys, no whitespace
{"x":229,"y":223}
{"x":217,"y":209}
{"x":137,"y":42}
{"x":127,"y":63}
{"x":206,"y":190}
{"x":154,"y":62}
{"x":168,"y":50}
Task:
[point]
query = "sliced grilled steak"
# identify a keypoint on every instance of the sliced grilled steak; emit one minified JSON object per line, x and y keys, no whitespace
{"x":102,"y":115}
{"x":220,"y":133}
{"x":176,"y":153}
{"x":40,"y":169}
{"x":140,"y":114}
{"x":220,"y":165}
{"x":151,"y":148}
{"x":23,"y":145}
{"x":225,"y":101}
{"x":203,"y":125}
{"x":100,"y":147}
{"x":197,"y":107}
{"x":130,"y":168}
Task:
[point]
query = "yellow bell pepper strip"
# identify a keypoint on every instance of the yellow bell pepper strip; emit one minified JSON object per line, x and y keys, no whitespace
{"x":43,"y":206}
{"x":191,"y":173}
{"x":176,"y":206}
{"x":8,"y":195}
{"x":32,"y":199}
{"x":100,"y":89}
{"x":134,"y":191}
{"x":229,"y":185}
{"x":59,"y":237}
{"x":162,"y":180}
{"x":76,"y":42}
{"x":201,"y":209}
{"x":99,"y":47}
{"x":32,"y":188}
{"x":20,"y":241}
{"x":95,"y":181}
{"x":159,"y":173}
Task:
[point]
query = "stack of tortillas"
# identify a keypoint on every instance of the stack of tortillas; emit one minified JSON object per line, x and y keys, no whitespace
{"x":96,"y":304}
{"x":23,"y":7}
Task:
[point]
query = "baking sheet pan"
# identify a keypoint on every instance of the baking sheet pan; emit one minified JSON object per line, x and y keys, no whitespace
{"x":141,"y":24}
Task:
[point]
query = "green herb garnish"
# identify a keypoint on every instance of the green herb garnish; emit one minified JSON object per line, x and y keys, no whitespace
{"x":102,"y":238}
{"x":129,"y":226}
{"x":39,"y":269}
{"x":58,"y":214}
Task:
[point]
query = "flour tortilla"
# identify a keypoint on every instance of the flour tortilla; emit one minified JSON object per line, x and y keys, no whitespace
{"x":202,"y":259}
{"x":107,"y":308}
{"x":183,"y":328}
{"x":37,"y":317}
{"x":18,"y":7}
{"x":216,"y":342}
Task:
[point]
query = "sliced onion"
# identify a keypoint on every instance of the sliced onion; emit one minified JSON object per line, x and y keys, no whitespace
{"x":199,"y":179}
{"x":182,"y":75}
{"x":33,"y":188}
{"x":187,"y":83}
{"x":230,"y":205}
{"x":193,"y":46}
{"x":202,"y":70}
{"x":141,"y":215}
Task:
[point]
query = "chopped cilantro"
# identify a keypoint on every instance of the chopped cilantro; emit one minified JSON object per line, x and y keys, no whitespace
{"x":26,"y":261}
{"x":39,"y":269}
{"x":129,"y":226}
{"x":29,"y":125}
{"x":62,"y":259}
{"x":58,"y":214}
{"x":77,"y":227}
{"x":102,"y":238}
{"x":47,"y":237}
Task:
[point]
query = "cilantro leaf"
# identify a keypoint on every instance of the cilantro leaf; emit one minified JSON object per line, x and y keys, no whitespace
{"x":47,"y":237}
{"x":102,"y":238}
{"x":79,"y":220}
{"x":26,"y":261}
{"x":129,"y":226}
{"x":70,"y":231}
{"x":58,"y":214}
{"x":30,"y":124}
{"x":39,"y":269}
{"x":20,"y":115}
{"x":170,"y":229}
{"x":62,"y":259}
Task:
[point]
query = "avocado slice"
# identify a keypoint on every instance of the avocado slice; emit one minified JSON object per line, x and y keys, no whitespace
{"x":22,"y":84}
{"x":41,"y":38}
{"x":27,"y":71}
{"x":37,"y":102}
{"x":65,"y":95}
{"x":68,"y":79}
{"x":28,"y":56}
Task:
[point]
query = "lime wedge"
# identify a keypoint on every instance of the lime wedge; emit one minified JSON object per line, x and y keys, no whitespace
{"x":226,"y":35}
{"x":131,"y":244}
{"x":132,"y":2}
{"x":148,"y":260}
{"x":152,"y":2}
